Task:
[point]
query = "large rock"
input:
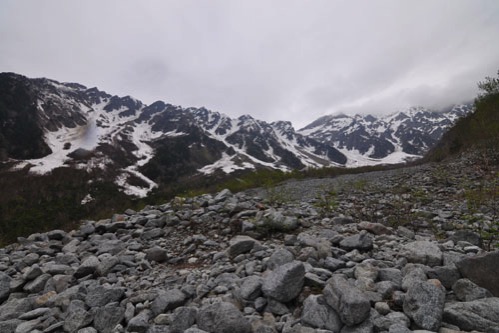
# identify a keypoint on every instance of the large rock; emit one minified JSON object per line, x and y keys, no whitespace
{"x":466,"y":291}
{"x":424,"y":303}
{"x":374,"y":228}
{"x":480,"y":315}
{"x":240,"y":244}
{"x":168,"y":300}
{"x":279,"y":257}
{"x":100,"y":296}
{"x":448,"y":275}
{"x":251,"y":288}
{"x":276,"y":221}
{"x":87,"y":267}
{"x":467,"y":236}
{"x":139,"y":323}
{"x":107,"y":317}
{"x":316,"y":313}
{"x":361,"y":241}
{"x":285,"y":282}
{"x":77,"y":316}
{"x":183,"y":318}
{"x":347,"y":300}
{"x":422,"y":252}
{"x":157,"y":254}
{"x":482,"y":270}
{"x":222,"y":317}
{"x":4,"y":286}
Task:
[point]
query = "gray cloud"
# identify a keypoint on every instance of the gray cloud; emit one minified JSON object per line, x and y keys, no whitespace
{"x":276,"y":60}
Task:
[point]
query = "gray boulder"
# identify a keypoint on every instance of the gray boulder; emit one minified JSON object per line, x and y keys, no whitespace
{"x":333,"y":264}
{"x":37,"y":284}
{"x":279,"y":257}
{"x":222,"y":317}
{"x":465,"y":290}
{"x":156,"y":254}
{"x":424,"y":303}
{"x":168,"y":300}
{"x":87,"y":267}
{"x":362,"y":241}
{"x":107,"y":317}
{"x":240,"y":244}
{"x":482,"y":270}
{"x":413,"y":274}
{"x":15,"y":307}
{"x":374,"y":228}
{"x":139,"y":323}
{"x":316,"y":313}
{"x":4,"y":286}
{"x":467,"y":236}
{"x":276,"y":221}
{"x":448,"y":275}
{"x":182,"y":319}
{"x":99,"y":296}
{"x":251,"y":288}
{"x":481,"y":315}
{"x":347,"y":300}
{"x":77,"y":316}
{"x":422,"y":252}
{"x":285,"y":282}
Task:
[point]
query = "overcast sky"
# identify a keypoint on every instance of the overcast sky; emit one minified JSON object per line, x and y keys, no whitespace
{"x":273,"y":59}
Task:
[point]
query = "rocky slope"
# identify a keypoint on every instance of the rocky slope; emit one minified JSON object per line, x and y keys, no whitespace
{"x":394,"y":251}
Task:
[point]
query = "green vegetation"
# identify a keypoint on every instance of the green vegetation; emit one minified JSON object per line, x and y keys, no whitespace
{"x":327,"y":202}
{"x":41,"y":203}
{"x":479,"y":130}
{"x":484,"y":197}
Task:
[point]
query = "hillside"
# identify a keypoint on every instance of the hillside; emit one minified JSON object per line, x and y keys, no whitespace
{"x":68,"y":152}
{"x":389,"y":251}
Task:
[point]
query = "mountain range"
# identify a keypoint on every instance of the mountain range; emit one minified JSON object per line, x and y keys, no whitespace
{"x":45,"y":125}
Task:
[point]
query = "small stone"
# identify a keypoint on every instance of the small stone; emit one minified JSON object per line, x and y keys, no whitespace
{"x":382,"y":307}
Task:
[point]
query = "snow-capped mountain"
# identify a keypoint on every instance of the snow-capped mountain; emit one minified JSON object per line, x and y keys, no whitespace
{"x":46,"y":125}
{"x":368,"y":140}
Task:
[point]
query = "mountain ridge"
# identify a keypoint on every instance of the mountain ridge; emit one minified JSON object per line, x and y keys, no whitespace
{"x":68,"y":124}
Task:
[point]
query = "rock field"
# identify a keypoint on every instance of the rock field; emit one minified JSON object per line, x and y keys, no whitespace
{"x":395,"y":251}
